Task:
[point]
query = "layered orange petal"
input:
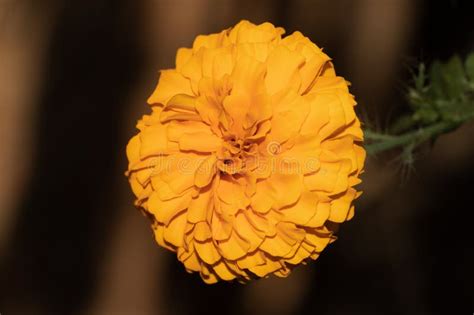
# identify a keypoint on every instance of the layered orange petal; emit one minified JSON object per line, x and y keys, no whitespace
{"x":250,"y":156}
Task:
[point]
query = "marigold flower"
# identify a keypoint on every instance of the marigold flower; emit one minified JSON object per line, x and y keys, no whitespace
{"x":248,"y":160}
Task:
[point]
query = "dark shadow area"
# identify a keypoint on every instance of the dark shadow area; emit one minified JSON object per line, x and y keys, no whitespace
{"x":64,"y":218}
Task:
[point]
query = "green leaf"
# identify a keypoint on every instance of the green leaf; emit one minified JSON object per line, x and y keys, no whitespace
{"x":456,"y":111}
{"x":454,"y":77}
{"x":470,"y":66}
{"x":426,"y":116}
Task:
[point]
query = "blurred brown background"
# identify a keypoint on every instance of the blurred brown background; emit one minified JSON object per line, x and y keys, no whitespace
{"x":74,"y":77}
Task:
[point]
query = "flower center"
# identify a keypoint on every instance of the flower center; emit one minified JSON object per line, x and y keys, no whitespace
{"x":236,"y":155}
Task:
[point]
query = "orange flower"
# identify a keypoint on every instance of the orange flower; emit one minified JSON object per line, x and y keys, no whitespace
{"x":247,"y":162}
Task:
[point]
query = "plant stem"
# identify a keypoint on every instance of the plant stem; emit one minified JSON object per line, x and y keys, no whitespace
{"x":383,"y":142}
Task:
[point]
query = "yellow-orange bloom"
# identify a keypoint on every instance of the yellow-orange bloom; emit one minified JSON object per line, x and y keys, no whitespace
{"x":248,"y":159}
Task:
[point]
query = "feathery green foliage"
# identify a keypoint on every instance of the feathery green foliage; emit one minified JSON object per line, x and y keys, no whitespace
{"x":440,"y":99}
